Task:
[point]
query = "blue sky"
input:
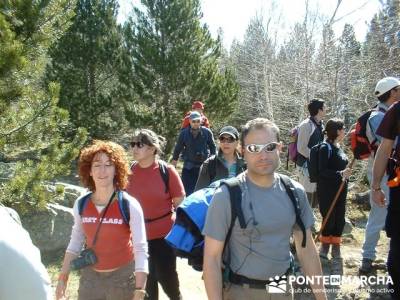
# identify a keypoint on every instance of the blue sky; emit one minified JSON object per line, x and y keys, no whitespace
{"x":233,"y":16}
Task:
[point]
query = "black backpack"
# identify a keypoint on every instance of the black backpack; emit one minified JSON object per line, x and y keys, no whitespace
{"x":313,"y":163}
{"x":185,"y":225}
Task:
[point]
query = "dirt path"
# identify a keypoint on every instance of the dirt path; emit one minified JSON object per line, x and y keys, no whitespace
{"x":191,"y":284}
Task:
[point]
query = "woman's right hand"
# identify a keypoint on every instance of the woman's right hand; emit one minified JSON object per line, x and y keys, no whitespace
{"x":346,"y":173}
{"x":60,"y":289}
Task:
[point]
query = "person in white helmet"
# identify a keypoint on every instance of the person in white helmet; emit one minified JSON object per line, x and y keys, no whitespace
{"x":387,"y":91}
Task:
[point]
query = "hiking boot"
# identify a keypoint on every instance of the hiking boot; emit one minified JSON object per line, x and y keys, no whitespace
{"x":366,"y":265}
{"x":335,"y":253}
{"x":324,"y":250}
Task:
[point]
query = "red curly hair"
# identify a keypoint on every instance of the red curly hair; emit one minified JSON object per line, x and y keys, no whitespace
{"x":116,"y":154}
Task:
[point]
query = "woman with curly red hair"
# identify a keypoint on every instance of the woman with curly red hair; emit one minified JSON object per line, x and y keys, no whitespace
{"x":117,"y":266}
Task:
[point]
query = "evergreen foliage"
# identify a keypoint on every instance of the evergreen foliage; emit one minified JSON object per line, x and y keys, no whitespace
{"x":87,"y":61}
{"x":175,"y":61}
{"x":31,"y":123}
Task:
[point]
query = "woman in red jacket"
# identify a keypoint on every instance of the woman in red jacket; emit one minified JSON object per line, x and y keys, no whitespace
{"x":159,"y":189}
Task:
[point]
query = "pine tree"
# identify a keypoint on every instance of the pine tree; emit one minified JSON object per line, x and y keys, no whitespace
{"x":30,"y":121}
{"x":87,"y":61}
{"x":175,"y":61}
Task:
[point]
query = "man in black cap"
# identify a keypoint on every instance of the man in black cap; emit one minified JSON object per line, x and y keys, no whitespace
{"x":196,"y":143}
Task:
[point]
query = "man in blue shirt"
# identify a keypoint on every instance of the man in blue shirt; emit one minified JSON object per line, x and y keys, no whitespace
{"x":196,"y":143}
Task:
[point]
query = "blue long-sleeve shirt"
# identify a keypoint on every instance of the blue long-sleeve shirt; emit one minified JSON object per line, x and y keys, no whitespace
{"x":194,"y":150}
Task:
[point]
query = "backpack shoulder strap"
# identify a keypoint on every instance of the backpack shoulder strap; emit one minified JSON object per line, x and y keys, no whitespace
{"x":123,"y":205}
{"x":134,"y":163}
{"x":82,"y":202}
{"x":291,"y":191}
{"x":163,"y":166}
{"x":329,"y":149}
{"x":235,"y":197}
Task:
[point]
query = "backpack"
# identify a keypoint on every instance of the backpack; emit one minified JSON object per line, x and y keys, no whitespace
{"x":123,"y":205}
{"x":292,"y":153}
{"x":163,"y":167}
{"x":313,"y":163}
{"x":185,"y":236}
{"x":360,"y":145}
{"x":292,"y":146}
{"x":122,"y":202}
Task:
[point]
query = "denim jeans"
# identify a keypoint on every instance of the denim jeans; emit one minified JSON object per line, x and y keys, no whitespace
{"x":376,"y":220}
{"x":189,"y":179}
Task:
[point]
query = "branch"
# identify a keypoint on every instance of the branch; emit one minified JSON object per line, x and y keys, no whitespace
{"x":351,"y":12}
{"x":37,"y":115}
{"x":334,"y":13}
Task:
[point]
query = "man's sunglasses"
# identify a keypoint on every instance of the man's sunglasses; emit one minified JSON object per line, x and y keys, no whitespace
{"x":257,"y":148}
{"x":228,"y":139}
{"x":137,"y":144}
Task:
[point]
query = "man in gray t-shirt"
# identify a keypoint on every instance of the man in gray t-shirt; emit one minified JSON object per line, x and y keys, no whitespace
{"x":261,"y":250}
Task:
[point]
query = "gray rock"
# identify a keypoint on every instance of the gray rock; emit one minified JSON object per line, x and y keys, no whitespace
{"x":363,"y":199}
{"x":6,"y":170}
{"x":348,"y":227}
{"x":50,"y":230}
{"x":70,"y":193}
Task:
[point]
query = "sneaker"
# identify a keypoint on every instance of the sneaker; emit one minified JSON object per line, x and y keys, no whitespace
{"x":323,"y":250}
{"x":366,"y":265}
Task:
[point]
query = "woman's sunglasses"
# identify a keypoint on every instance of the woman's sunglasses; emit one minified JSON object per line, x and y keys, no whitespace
{"x":257,"y":148}
{"x":224,"y":139}
{"x":137,"y":144}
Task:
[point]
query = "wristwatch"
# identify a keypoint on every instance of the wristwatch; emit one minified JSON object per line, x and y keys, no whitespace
{"x":376,"y":189}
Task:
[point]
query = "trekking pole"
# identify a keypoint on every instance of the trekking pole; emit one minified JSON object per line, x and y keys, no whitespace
{"x":333,"y":204}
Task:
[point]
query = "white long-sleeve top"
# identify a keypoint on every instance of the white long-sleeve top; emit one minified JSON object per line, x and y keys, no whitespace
{"x":136,"y":225}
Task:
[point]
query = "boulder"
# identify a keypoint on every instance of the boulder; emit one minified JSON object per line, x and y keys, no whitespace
{"x":69,"y":193}
{"x":348,"y":227}
{"x":6,"y":171}
{"x":50,"y":230}
{"x":362,"y":199}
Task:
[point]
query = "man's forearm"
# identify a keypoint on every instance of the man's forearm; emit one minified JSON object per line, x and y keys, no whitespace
{"x":380,"y":162}
{"x":213,"y":278}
